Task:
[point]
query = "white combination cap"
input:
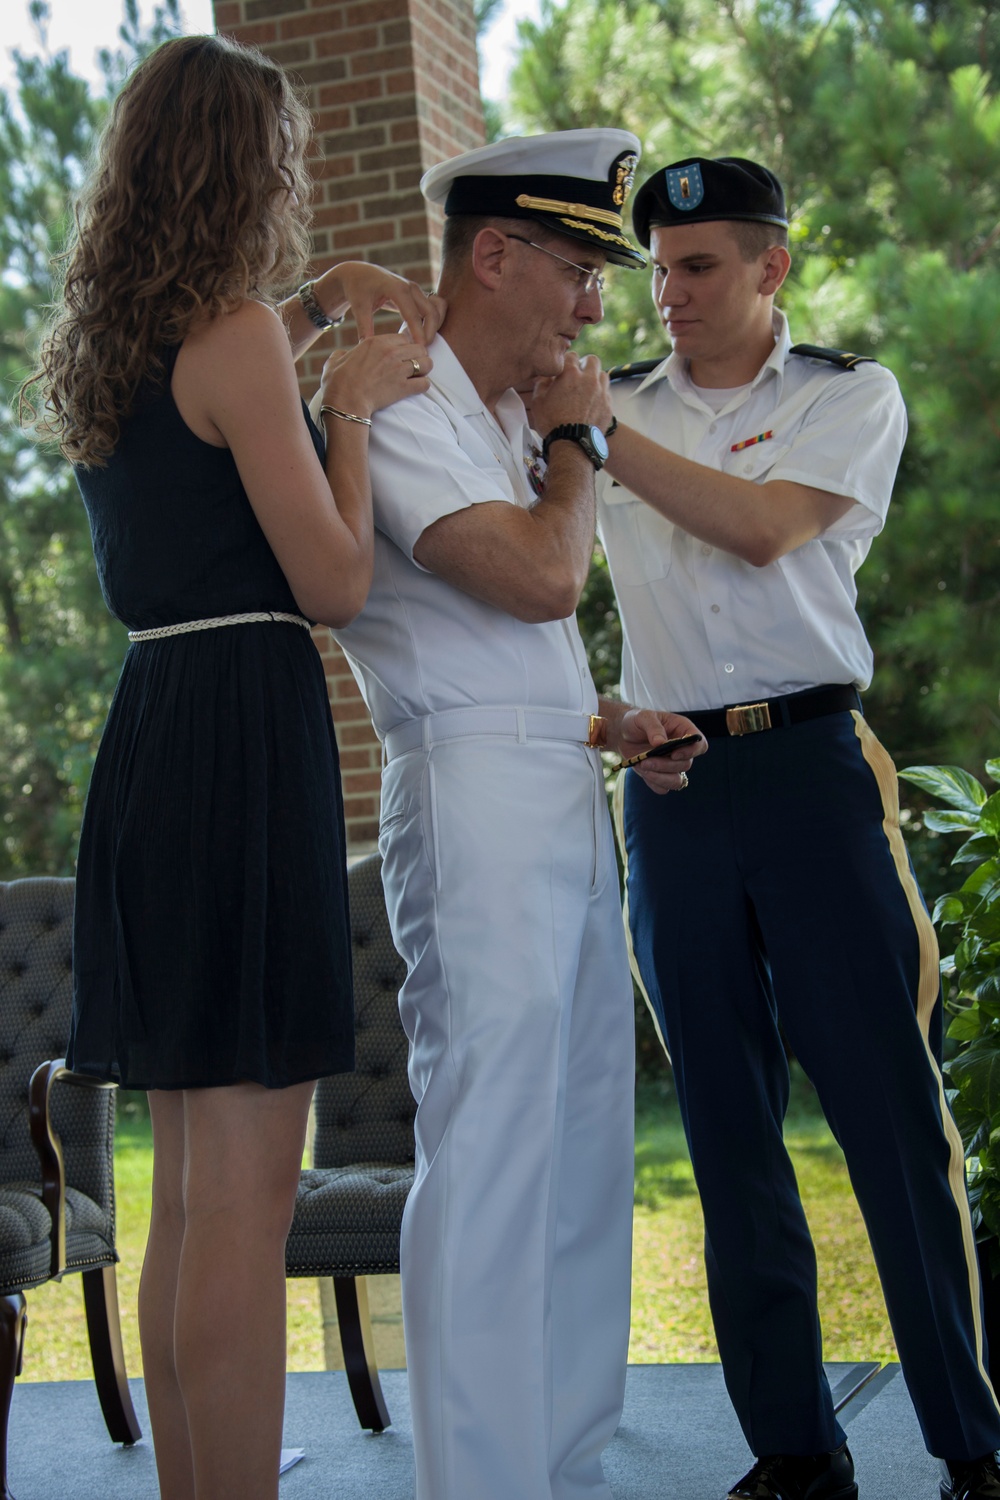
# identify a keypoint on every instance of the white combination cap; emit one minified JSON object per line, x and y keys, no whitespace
{"x":575,"y":182}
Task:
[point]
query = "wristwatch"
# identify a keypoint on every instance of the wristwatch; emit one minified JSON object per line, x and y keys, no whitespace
{"x":590,"y":439}
{"x":319,"y":319}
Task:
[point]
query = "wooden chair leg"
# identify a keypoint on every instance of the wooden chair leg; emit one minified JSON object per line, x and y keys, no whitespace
{"x":13,"y":1322}
{"x":351,"y":1293}
{"x":100,"y":1299}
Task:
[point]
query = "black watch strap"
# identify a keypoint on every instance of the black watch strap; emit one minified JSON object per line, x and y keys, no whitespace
{"x":590,"y":439}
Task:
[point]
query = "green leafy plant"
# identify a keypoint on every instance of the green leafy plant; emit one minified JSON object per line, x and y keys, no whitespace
{"x":971,"y":976}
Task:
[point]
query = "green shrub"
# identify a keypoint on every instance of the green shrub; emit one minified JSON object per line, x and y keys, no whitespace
{"x":971,"y":977}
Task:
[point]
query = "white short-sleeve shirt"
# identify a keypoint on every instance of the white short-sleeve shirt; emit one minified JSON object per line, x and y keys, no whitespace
{"x":701,"y":627}
{"x":420,"y":645}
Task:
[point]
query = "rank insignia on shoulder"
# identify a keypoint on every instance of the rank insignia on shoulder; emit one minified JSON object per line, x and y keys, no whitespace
{"x":637,"y":368}
{"x":839,"y":357}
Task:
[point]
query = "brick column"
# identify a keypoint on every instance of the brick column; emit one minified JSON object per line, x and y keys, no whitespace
{"x":394,"y":88}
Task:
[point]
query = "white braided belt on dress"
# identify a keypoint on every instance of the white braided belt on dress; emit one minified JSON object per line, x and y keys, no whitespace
{"x":264,"y":618}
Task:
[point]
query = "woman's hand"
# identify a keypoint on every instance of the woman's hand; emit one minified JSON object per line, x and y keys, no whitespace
{"x":367,"y":288}
{"x":381,"y":369}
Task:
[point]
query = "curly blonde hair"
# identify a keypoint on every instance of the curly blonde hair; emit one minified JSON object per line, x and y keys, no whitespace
{"x":198,"y":199}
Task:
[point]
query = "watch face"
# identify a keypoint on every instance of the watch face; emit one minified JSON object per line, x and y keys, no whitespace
{"x":599,"y":443}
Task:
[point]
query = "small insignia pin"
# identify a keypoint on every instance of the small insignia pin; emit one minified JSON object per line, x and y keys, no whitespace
{"x":624,"y":169}
{"x":535,"y":465}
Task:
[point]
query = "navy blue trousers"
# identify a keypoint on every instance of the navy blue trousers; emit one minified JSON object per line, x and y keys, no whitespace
{"x":778,"y":885}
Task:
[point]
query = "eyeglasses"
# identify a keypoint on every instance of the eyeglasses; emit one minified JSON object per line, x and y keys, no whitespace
{"x":589,"y":279}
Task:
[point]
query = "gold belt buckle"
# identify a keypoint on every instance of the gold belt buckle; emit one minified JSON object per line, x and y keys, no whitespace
{"x":748,"y":718}
{"x":597,"y":738}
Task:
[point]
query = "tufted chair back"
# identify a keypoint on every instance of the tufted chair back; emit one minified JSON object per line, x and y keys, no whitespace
{"x":59,"y":1216}
{"x":367,"y":1115}
{"x":36,"y":930}
{"x":36,"y":997}
{"x":349,"y":1207}
{"x":350,"y":1203}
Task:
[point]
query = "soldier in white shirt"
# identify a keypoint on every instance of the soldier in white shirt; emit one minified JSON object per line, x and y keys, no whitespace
{"x":746,"y":480}
{"x":499,"y":868}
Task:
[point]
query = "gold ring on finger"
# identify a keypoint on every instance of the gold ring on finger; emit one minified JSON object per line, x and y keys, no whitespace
{"x":416,"y":366}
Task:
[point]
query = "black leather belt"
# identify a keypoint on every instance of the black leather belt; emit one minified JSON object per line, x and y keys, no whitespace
{"x":775,"y":713}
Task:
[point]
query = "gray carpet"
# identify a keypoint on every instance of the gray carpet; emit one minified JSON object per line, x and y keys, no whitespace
{"x":678,"y":1440}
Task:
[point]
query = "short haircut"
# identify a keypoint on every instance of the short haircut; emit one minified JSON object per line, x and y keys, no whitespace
{"x":460,"y":231}
{"x":753,"y":238}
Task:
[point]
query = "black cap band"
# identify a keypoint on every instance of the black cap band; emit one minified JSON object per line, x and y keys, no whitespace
{"x":572,"y":206}
{"x":522,"y":197}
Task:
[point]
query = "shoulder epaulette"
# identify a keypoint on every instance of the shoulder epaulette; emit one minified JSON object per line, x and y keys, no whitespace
{"x":839,"y":357}
{"x":636,"y":368}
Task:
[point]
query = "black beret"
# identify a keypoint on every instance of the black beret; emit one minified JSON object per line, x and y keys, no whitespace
{"x":700,"y":189}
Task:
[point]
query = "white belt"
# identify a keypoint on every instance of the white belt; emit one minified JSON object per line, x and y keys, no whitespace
{"x":507,"y":723}
{"x":161,"y":632}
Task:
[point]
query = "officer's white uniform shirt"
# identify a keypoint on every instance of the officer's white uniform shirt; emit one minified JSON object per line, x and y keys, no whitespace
{"x":501,"y":888}
{"x":702,"y":628}
{"x":421,"y":645}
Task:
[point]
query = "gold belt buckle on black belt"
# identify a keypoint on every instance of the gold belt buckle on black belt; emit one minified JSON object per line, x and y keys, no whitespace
{"x":748,"y":718}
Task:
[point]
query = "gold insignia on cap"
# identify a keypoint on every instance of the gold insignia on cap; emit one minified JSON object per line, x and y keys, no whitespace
{"x":578,"y":210}
{"x":624,"y":177}
{"x":602,"y":234}
{"x":685,"y":187}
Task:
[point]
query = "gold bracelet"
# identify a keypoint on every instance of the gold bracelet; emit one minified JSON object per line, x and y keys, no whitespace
{"x":345,"y":416}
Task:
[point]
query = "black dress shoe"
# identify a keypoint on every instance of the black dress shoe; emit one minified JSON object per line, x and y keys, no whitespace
{"x":793,"y":1476}
{"x":978,"y":1480}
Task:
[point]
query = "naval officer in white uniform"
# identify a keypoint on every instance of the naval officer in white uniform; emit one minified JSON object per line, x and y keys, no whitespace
{"x":499,"y":870}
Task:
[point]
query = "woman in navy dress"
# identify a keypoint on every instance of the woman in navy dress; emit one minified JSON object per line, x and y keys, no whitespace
{"x":212,"y":960}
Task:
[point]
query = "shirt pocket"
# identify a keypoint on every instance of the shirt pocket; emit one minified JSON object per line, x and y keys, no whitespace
{"x":638,"y":541}
{"x":487,"y":461}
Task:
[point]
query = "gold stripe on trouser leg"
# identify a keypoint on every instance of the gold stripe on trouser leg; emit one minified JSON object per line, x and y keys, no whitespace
{"x":927,"y":992}
{"x":618,"y":818}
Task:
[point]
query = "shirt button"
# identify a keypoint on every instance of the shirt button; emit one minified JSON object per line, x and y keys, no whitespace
{"x":748,"y":468}
{"x":730,"y":667}
{"x":714,"y":427}
{"x":715,"y":609}
{"x":707,"y":551}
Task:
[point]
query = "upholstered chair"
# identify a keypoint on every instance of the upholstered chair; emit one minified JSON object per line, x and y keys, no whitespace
{"x":350,"y":1203}
{"x":57,"y":1205}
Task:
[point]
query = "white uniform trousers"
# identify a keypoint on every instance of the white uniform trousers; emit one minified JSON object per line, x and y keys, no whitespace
{"x":502,"y":894}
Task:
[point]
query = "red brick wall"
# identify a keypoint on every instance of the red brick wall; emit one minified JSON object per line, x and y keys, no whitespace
{"x":394,"y":88}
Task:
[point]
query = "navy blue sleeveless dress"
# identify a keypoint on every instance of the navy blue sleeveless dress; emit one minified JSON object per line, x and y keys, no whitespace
{"x":211,"y":932}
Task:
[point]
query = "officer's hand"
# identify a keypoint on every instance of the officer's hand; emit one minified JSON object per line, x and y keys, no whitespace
{"x":642,"y":728}
{"x":580,"y":393}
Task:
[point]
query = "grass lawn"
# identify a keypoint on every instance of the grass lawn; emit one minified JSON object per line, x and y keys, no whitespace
{"x":56,"y":1347}
{"x":670,"y":1319}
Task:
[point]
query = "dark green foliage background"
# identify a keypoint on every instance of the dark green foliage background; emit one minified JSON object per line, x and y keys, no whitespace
{"x":60,"y":650}
{"x":884,"y":122}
